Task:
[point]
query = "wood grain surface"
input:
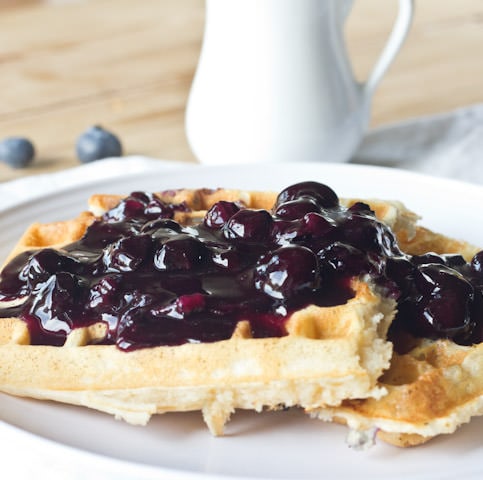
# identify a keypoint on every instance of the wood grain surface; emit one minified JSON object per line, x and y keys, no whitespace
{"x":66,"y":65}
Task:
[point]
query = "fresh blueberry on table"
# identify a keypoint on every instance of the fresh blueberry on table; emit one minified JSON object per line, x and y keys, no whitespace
{"x":18,"y":152}
{"x":97,"y":143}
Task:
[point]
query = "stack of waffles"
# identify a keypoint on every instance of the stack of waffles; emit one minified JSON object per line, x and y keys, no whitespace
{"x":336,"y":362}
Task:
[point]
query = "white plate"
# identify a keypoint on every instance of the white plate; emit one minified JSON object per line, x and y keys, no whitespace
{"x":44,"y":439}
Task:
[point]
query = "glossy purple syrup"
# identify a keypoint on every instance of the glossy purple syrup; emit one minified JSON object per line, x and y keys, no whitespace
{"x":155,"y":282}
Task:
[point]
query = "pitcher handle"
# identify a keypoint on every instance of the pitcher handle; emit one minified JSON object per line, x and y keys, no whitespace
{"x":396,"y":39}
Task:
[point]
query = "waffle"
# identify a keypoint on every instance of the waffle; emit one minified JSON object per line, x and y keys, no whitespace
{"x":432,"y":390}
{"x":425,"y":397}
{"x":329,"y":353}
{"x":335,"y":362}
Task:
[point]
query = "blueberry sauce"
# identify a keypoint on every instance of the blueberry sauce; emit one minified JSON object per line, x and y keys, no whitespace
{"x":153,"y":281}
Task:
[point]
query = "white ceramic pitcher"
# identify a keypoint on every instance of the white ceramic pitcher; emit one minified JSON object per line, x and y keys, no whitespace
{"x":274,"y":82}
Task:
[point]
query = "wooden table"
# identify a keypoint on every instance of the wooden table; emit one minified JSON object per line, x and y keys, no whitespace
{"x":66,"y":65}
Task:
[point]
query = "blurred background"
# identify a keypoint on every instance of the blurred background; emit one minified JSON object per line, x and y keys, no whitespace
{"x":69,"y":64}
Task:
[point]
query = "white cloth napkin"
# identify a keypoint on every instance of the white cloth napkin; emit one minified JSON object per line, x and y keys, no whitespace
{"x":445,"y":145}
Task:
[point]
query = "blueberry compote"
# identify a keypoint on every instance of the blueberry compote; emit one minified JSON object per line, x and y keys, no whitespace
{"x":153,"y":281}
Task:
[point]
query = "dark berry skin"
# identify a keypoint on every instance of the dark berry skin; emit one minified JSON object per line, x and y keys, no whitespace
{"x":317,"y":224}
{"x":295,"y":209}
{"x":65,"y":291}
{"x":454,"y":261}
{"x":182,"y":252}
{"x":400,"y":270}
{"x":161,"y":227}
{"x":249,"y":225}
{"x":226,"y":258}
{"x":361,"y":208}
{"x":286,"y":271}
{"x":220,"y":213}
{"x":96,"y":143}
{"x":18,"y":152}
{"x":103,"y":293}
{"x":323,"y":195}
{"x":343,"y":259}
{"x":127,"y":254}
{"x":368,"y":234}
{"x":446,"y":300}
{"x":427,"y":258}
{"x":139,"y":207}
{"x":477,"y":263}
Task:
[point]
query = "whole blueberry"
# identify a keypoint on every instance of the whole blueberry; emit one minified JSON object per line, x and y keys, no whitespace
{"x":340,"y":258}
{"x":96,"y":143}
{"x":444,"y":306}
{"x":220,"y":213}
{"x":127,"y":253}
{"x":183,"y":252}
{"x":477,"y":262}
{"x":286,"y":271}
{"x":321,"y":194}
{"x":18,"y":152}
{"x":295,"y":209}
{"x":248,"y":225}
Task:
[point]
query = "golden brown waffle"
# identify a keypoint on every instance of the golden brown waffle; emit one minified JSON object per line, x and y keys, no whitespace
{"x":433,"y":389}
{"x":329,"y":354}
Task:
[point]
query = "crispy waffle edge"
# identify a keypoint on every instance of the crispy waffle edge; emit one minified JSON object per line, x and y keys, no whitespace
{"x":431,"y":390}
